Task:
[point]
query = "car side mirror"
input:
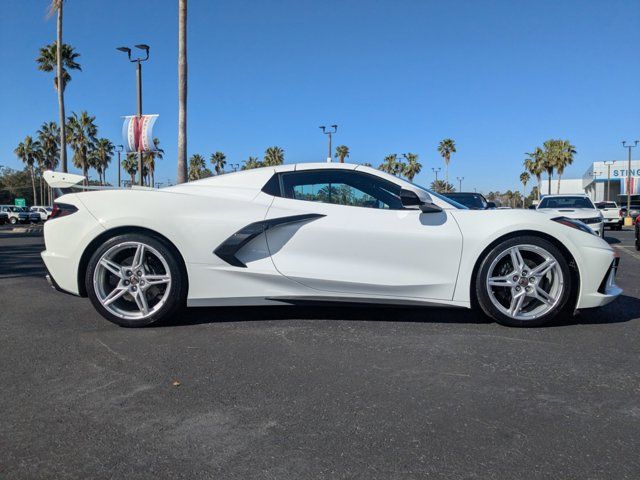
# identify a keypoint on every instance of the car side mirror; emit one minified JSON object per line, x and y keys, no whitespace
{"x":491,"y":205}
{"x":421,"y":200}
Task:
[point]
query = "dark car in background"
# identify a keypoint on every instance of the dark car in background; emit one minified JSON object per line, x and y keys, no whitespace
{"x":4,"y":218}
{"x":471,"y":200}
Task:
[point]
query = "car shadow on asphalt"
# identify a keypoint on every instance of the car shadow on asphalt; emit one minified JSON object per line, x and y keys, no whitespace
{"x":623,"y":309}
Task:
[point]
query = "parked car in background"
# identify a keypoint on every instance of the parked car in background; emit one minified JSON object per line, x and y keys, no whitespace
{"x":576,"y":207}
{"x":637,"y":232}
{"x":471,"y":200}
{"x":610,"y":214}
{"x":44,"y":212}
{"x":4,"y":218}
{"x":634,"y":211}
{"x":19,"y":214}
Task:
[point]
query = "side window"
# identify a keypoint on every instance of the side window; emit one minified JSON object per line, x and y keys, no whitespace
{"x":341,"y":187}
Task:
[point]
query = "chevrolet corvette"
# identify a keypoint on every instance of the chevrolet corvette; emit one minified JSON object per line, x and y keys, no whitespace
{"x":317,"y":232}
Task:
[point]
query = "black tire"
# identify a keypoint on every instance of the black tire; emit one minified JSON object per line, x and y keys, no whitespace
{"x":178,"y":287}
{"x":637,"y":239}
{"x":13,"y":220}
{"x":564,"y":307}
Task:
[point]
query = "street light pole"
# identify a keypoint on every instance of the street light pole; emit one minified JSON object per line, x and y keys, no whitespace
{"x":329,"y":133}
{"x":460,"y":183}
{"x":436,"y":170}
{"x":608,"y":164}
{"x":138,"y":62}
{"x":627,"y":220}
{"x":119,"y":149}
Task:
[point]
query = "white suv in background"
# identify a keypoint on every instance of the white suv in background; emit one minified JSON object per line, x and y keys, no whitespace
{"x":575,"y":206}
{"x":44,"y":212}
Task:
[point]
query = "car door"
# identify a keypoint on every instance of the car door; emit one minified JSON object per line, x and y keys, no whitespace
{"x":351,"y":235}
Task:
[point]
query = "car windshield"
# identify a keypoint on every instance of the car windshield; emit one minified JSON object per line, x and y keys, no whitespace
{"x":565,"y":202}
{"x":449,"y":201}
{"x":471,"y":200}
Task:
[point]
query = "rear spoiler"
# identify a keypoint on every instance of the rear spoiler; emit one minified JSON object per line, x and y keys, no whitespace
{"x":64,"y":182}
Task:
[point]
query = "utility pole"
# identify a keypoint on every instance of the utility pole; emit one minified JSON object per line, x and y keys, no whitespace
{"x":119,"y":149}
{"x":329,"y":133}
{"x":608,"y":164}
{"x":138,"y":62}
{"x":460,"y":183}
{"x":627,"y":220}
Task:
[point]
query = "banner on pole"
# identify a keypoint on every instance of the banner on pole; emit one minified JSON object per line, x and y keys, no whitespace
{"x":137,"y":133}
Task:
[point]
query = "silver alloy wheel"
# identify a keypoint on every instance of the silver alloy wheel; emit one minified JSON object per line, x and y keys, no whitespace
{"x":132,"y":280}
{"x":525,"y":282}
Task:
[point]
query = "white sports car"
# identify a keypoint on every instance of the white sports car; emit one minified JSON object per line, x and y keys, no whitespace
{"x":317,"y":232}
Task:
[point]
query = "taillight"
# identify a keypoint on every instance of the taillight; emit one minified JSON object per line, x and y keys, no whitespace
{"x":62,"y":210}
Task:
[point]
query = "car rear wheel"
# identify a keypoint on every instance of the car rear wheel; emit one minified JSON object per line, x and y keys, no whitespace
{"x":524,"y":282}
{"x":135,"y":280}
{"x":13,"y":220}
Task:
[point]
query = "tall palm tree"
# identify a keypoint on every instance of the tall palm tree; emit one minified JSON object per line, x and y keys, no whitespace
{"x":198,"y":168}
{"x":182,"y":91}
{"x":441,"y":187}
{"x":565,"y":158}
{"x":535,"y":166}
{"x":273,"y":156}
{"x":413,"y":167}
{"x":130,"y":165}
{"x":49,"y":138}
{"x":392,"y":165}
{"x":60,"y":57}
{"x":82,"y":137}
{"x":219,"y":161}
{"x":150,"y":160}
{"x":446,"y":148}
{"x":552,"y":159}
{"x":524,"y":178}
{"x":252,"y":162}
{"x":28,"y":151}
{"x":102,"y":155}
{"x":342,"y":152}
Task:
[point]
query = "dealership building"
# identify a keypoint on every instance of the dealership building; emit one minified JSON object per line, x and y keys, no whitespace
{"x":601,"y":179}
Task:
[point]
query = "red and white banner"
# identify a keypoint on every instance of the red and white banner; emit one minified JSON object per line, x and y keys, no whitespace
{"x":137,"y":133}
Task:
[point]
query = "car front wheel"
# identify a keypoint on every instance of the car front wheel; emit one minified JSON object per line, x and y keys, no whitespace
{"x":135,"y":280}
{"x":524,"y":282}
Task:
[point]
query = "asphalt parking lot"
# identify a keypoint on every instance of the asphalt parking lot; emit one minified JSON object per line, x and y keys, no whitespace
{"x":292,"y":392}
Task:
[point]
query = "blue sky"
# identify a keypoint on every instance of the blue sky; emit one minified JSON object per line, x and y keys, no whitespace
{"x":499,"y":77}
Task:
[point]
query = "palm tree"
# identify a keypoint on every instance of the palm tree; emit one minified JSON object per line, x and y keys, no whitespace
{"x":392,"y":165}
{"x":182,"y":91}
{"x":82,"y":137}
{"x":28,"y":151}
{"x":219,"y":161}
{"x":273,"y":156}
{"x":130,"y":165}
{"x":252,"y":162}
{"x":198,"y":168}
{"x":552,"y":158}
{"x":102,"y":154}
{"x":60,"y":57}
{"x":48,"y":137}
{"x":413,"y":167}
{"x":565,"y":157}
{"x":535,"y":166}
{"x":441,"y":187}
{"x":149,"y":159}
{"x":524,"y":178}
{"x":342,"y":152}
{"x":447,"y":147}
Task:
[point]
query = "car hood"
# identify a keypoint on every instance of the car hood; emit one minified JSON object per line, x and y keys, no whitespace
{"x":572,"y":212}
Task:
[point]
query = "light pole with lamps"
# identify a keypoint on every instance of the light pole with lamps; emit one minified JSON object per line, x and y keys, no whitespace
{"x":627,"y":220}
{"x":119,"y":149}
{"x":329,"y":133}
{"x":138,"y":62}
{"x":460,"y":183}
{"x":608,"y":164}
{"x":436,"y":170}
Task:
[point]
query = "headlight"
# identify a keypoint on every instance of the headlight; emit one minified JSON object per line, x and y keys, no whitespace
{"x":570,"y":222}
